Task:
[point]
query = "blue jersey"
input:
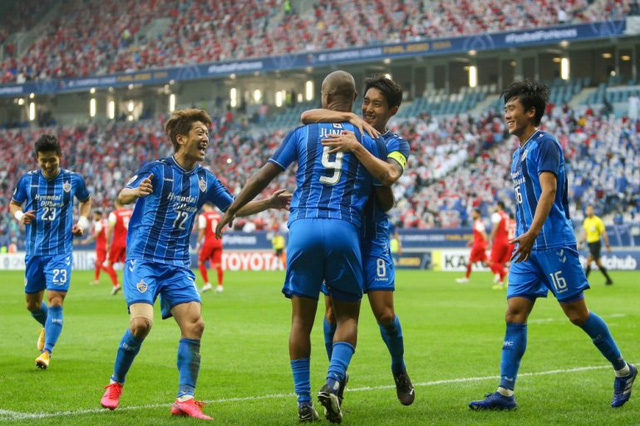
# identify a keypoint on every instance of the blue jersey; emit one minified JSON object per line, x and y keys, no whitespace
{"x":52,"y":200}
{"x":160,"y":227}
{"x":376,"y":225}
{"x":541,"y":153}
{"x":329,"y":186}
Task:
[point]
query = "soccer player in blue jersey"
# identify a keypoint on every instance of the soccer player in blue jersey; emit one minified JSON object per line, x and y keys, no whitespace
{"x":546,"y":257}
{"x":47,"y":195}
{"x":324,"y":224}
{"x":168,"y":194}
{"x":382,"y":98}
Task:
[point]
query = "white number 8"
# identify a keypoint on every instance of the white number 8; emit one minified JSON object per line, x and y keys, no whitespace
{"x":381,"y":268}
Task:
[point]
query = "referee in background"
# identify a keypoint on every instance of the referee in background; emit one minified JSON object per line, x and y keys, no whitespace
{"x":594,"y":233}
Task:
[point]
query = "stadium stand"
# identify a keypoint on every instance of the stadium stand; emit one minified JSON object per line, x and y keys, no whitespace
{"x":94,"y":37}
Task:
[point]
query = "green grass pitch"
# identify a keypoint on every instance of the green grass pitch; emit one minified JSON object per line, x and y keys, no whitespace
{"x":453,"y":336}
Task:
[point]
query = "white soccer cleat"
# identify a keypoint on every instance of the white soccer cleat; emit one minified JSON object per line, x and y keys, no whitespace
{"x":462,"y":280}
{"x":206,"y":287}
{"x":219,"y":289}
{"x":496,"y":278}
{"x":116,"y":289}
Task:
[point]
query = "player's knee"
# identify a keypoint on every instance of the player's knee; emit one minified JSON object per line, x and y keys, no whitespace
{"x":197,"y":327}
{"x":33,"y":305}
{"x":514,"y":315}
{"x":140,"y":326}
{"x":577,"y":317}
{"x":385,"y":316}
{"x":55,"y":301}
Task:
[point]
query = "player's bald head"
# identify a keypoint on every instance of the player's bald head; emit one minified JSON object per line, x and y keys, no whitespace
{"x":339,"y":87}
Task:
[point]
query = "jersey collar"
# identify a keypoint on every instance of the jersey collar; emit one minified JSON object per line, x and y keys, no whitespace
{"x":182,"y":168}
{"x":52,"y":178}
{"x":530,"y":137}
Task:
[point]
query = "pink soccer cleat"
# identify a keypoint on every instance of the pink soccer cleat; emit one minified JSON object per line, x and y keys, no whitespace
{"x":190,"y":408}
{"x":111,"y":397}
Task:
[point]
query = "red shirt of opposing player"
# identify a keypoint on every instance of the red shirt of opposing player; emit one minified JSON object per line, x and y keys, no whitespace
{"x":119,"y":223}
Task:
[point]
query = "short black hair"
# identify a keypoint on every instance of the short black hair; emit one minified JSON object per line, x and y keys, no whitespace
{"x":390,"y":89}
{"x":532,"y":94}
{"x":501,"y":204}
{"x":98,"y":211}
{"x":48,"y":143}
{"x":478,"y":211}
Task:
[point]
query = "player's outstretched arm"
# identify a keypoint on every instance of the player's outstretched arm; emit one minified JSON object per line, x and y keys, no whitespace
{"x":280,"y":200}
{"x":130,"y":195}
{"x":384,"y":197}
{"x":322,"y":115}
{"x":24,"y":218}
{"x":388,"y":172}
{"x":548,"y":183}
{"x":255,"y":185}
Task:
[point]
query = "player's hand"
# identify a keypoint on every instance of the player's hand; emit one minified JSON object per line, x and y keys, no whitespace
{"x":77,"y":230}
{"x":608,"y":249}
{"x":146,"y":187}
{"x":525,"y":246}
{"x":346,"y":142}
{"x":228,"y":218}
{"x":364,"y":126}
{"x":28,"y":217}
{"x":280,"y":200}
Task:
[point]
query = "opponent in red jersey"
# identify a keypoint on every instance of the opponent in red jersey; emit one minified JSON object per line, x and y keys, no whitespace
{"x":99,"y":235}
{"x":478,"y":247}
{"x":117,"y":247}
{"x":212,"y":247}
{"x":500,"y":253}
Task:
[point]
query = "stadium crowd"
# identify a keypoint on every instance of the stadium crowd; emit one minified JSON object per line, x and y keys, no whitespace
{"x":101,"y":37}
{"x":456,"y":163}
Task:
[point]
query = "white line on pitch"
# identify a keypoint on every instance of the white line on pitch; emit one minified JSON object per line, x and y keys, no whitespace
{"x":541,"y":320}
{"x":6,"y":415}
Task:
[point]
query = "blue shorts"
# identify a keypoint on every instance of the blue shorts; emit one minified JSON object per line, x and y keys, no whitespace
{"x":558,"y":270}
{"x":323,"y":250}
{"x":378,"y":266}
{"x":50,"y":272}
{"x":144,"y":281}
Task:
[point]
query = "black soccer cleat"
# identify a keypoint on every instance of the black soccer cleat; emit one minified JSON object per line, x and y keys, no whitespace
{"x":404,"y":388}
{"x":343,"y":384}
{"x":329,"y":399}
{"x":307,"y":414}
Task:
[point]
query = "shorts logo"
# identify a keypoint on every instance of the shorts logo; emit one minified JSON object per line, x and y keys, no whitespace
{"x":203,"y":184}
{"x":561,"y":256}
{"x":66,"y":186}
{"x":132,"y":265}
{"x":26,"y":281}
{"x":142,"y":286}
{"x":68,"y":260}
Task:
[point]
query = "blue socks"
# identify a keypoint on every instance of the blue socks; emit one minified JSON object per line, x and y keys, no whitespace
{"x":188,"y":365}
{"x":599,"y":332}
{"x":302,"y":380}
{"x":392,"y":336}
{"x":52,"y":327}
{"x":129,"y":348}
{"x":515,"y":343}
{"x":340,"y":359}
{"x":329,"y":331}
{"x":41,"y":314}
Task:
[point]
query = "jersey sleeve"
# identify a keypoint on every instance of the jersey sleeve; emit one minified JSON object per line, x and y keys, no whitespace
{"x":600,"y":226}
{"x":112,"y":219}
{"x":144,"y":172}
{"x":218,"y":194}
{"x":548,"y":157}
{"x":479,"y":226}
{"x":202,"y":222}
{"x":98,"y":226}
{"x":398,"y":149}
{"x":82,"y":193}
{"x":288,"y":151}
{"x":20,"y":193}
{"x":495,"y":218}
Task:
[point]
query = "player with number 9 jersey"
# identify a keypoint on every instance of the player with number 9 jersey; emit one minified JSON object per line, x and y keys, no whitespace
{"x":326,"y":208}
